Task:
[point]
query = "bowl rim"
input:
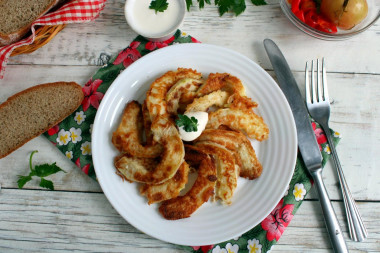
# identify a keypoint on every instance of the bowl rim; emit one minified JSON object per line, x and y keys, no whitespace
{"x":156,"y":37}
{"x":285,"y":6}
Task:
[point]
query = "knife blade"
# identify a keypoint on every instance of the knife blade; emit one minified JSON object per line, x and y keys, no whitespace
{"x":307,"y":142}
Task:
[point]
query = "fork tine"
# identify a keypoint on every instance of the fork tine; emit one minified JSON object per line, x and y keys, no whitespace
{"x":313,"y":88}
{"x":307,"y":84}
{"x":319,"y":83}
{"x":324,"y":80}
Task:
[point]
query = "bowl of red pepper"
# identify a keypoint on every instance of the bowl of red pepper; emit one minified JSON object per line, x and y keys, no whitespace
{"x":332,"y":19}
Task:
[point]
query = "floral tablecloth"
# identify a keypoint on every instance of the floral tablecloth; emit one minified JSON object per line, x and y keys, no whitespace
{"x":73,"y":137}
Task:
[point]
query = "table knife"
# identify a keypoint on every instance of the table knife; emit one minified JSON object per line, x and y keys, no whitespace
{"x":307,"y":142}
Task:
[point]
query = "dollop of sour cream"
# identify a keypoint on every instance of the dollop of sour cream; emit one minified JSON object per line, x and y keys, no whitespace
{"x":202,"y":118}
{"x":148,"y":22}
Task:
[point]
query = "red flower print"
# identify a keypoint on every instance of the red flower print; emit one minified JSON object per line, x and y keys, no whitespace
{"x":53,"y":130}
{"x":91,"y":96}
{"x":151,"y":45}
{"x":277,"y":221}
{"x":128,"y":55}
{"x":204,"y":249}
{"x":85,"y":168}
{"x":194,"y":40}
{"x":319,"y":134}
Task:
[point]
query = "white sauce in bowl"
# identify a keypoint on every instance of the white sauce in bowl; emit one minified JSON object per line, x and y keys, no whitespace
{"x":202,"y":118}
{"x":152,"y":25}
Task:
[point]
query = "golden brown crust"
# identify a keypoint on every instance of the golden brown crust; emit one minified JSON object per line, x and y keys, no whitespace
{"x":221,"y":154}
{"x":214,"y":82}
{"x":166,"y":134}
{"x":202,"y":104}
{"x":182,"y":93}
{"x":29,"y":99}
{"x":222,"y":81}
{"x":156,"y":96}
{"x":245,"y":121}
{"x":147,"y":125}
{"x":236,"y":101}
{"x":227,"y":171}
{"x":201,"y":191}
{"x":169,"y":189}
{"x":128,"y":136}
{"x":163,"y":130}
{"x":245,"y":155}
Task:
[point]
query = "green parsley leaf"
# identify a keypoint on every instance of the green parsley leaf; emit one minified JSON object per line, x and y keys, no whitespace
{"x":47,"y":184}
{"x":189,"y":3}
{"x":41,"y":171}
{"x":22,"y":180}
{"x":188,"y":124}
{"x":158,"y":5}
{"x":202,"y":3}
{"x":236,"y":6}
{"x":258,"y":2}
{"x":45,"y":170}
{"x":30,"y":159}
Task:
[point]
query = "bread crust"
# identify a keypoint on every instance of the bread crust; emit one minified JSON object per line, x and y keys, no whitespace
{"x":7,"y":39}
{"x":14,"y":101}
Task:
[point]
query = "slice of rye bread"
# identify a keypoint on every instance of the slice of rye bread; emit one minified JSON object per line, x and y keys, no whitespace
{"x":33,"y":111}
{"x":17,"y":16}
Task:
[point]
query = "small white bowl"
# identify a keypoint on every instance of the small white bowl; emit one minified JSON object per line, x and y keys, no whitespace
{"x":154,"y":26}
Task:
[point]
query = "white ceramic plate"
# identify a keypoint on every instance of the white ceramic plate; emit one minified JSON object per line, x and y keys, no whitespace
{"x":253,"y":200}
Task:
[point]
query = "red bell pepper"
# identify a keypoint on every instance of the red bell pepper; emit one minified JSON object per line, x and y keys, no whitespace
{"x":307,"y":12}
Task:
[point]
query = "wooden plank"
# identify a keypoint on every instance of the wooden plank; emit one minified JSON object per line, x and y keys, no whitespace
{"x":354,"y":115}
{"x":83,"y":44}
{"x":78,"y":217}
{"x":49,"y":221}
{"x":21,"y":77}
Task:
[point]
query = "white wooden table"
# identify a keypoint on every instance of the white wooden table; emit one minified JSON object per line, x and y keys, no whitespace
{"x":77,"y":216}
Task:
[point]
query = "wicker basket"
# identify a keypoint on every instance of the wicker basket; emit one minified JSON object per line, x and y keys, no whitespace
{"x":43,"y":35}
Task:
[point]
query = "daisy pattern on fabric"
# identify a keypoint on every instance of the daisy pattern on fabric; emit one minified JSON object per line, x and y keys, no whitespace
{"x":69,"y":154}
{"x":337,"y":135}
{"x":232,"y":248}
{"x":91,"y":95}
{"x":76,"y":134}
{"x":287,"y":191}
{"x":327,"y":149}
{"x":63,"y":137}
{"x":128,"y":55}
{"x":217,"y":249}
{"x":86,"y":148}
{"x":299,"y":192}
{"x":254,"y":246}
{"x":276,"y":222}
{"x":79,"y":117}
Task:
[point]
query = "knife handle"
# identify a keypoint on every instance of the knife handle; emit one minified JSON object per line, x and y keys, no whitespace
{"x":332,"y":224}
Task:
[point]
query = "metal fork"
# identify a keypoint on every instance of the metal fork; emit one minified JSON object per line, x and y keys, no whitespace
{"x":318,"y":104}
